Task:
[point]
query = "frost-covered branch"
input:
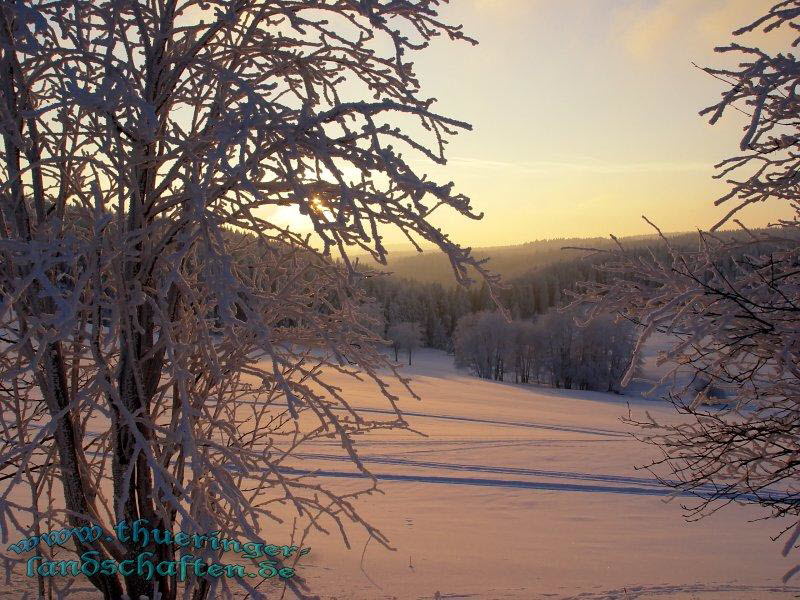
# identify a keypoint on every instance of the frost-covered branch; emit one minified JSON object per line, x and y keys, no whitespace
{"x":166,"y":342}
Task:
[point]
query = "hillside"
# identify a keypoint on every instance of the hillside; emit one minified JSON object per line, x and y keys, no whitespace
{"x":512,"y":490}
{"x":510,"y":261}
{"x":514,"y":261}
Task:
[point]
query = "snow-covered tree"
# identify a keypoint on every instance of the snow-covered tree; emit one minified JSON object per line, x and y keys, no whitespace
{"x":601,"y":351}
{"x":558,"y":333}
{"x":554,"y":349}
{"x":162,"y":332}
{"x":481,"y":342}
{"x":732,"y":306}
{"x":523,"y":352}
{"x":405,"y":337}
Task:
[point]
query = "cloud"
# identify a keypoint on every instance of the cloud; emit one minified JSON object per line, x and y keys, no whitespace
{"x":718,"y":24}
{"x":642,"y":28}
{"x":648,"y":27}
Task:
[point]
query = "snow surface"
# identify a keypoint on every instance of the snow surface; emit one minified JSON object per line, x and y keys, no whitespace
{"x":524,"y":493}
{"x":518,"y":492}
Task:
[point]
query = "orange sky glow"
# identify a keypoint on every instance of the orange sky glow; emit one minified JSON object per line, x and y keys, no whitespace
{"x":585,"y":116}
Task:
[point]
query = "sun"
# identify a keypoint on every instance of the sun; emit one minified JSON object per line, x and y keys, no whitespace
{"x":291,"y":217}
{"x":317,"y":205}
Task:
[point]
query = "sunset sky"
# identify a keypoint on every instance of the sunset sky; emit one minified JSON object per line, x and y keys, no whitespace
{"x":585,"y":115}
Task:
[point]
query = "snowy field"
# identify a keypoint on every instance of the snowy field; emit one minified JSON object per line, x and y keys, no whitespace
{"x":528,"y":493}
{"x":522,"y":493}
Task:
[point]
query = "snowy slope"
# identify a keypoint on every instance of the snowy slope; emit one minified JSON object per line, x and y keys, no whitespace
{"x":525,"y":493}
{"x":521,"y":493}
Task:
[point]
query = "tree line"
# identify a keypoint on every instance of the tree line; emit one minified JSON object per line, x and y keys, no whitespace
{"x":553,"y":349}
{"x":540,"y":345}
{"x":438,"y":308}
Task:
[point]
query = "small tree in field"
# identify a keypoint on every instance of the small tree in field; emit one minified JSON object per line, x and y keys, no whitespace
{"x":733,"y":305}
{"x":405,"y":336}
{"x":161,"y":333}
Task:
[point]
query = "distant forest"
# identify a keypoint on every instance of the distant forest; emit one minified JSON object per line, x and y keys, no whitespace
{"x":514,"y":261}
{"x":537,"y":276}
